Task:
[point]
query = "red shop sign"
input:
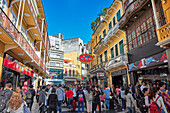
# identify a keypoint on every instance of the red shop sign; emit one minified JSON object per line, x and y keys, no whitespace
{"x":86,"y":58}
{"x":26,"y":83}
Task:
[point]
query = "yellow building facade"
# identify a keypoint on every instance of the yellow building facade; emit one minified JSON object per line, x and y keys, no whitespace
{"x":72,"y":68}
{"x":109,"y":49}
{"x":24,"y":37}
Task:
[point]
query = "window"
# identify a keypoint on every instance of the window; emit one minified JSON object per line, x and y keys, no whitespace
{"x":3,"y":5}
{"x":110,"y":25}
{"x":112,"y":52}
{"x":118,"y":15}
{"x":101,"y":60}
{"x":114,"y":22}
{"x":141,"y":31}
{"x":116,"y":50}
{"x":100,"y":37}
{"x":104,"y":33}
{"x":56,"y":42}
{"x":121,"y":47}
{"x":105,"y":55}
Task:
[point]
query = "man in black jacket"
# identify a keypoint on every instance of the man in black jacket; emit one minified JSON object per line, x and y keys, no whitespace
{"x":7,"y":93}
{"x":42,"y":99}
{"x":30,"y":97}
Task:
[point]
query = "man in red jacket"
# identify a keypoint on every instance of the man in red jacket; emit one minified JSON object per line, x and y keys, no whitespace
{"x":69,"y":95}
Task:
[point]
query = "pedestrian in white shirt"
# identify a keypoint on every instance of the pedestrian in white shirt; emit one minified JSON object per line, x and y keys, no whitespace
{"x":143,"y":86}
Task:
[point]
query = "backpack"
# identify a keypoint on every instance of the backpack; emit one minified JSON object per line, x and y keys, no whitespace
{"x":166,"y":98}
{"x":3,"y":100}
{"x":29,"y":94}
{"x":154,"y":107}
{"x":80,"y":97}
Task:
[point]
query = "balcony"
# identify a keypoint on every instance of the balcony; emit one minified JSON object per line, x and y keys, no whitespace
{"x":97,"y":68}
{"x":112,"y":34}
{"x":117,"y":62}
{"x":134,"y":9}
{"x":36,"y":20}
{"x":100,"y":23}
{"x":16,"y":43}
{"x":164,"y":36}
{"x":99,"y":46}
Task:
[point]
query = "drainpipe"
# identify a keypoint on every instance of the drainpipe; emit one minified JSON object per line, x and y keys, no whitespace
{"x":42,"y":27}
{"x":18,"y":13}
{"x":22,"y":15}
{"x":44,"y":57}
{"x":154,"y":13}
{"x":40,"y":51}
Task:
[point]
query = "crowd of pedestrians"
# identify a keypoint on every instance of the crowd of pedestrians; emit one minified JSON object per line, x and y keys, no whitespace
{"x":147,"y":98}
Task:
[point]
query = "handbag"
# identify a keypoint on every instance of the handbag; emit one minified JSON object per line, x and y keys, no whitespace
{"x":26,"y":110}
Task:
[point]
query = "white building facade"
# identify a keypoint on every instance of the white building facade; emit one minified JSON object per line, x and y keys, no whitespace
{"x":56,"y":63}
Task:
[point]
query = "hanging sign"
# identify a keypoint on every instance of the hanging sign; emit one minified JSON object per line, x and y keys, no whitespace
{"x":86,"y":58}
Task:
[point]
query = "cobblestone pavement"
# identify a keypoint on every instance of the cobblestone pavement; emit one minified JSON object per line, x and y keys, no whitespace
{"x":35,"y":109}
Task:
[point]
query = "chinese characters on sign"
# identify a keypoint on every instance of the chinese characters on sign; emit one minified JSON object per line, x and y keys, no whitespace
{"x":85,"y":58}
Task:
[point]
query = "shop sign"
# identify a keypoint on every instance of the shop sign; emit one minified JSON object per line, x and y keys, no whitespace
{"x":26,"y":83}
{"x":146,"y":62}
{"x":120,"y":72}
{"x":100,"y":74}
{"x":19,"y":67}
{"x":86,"y":58}
{"x":55,"y":75}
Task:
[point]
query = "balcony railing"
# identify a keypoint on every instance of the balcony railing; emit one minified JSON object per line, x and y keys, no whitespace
{"x":36,"y":20}
{"x":111,"y":32}
{"x":18,"y":37}
{"x":98,"y":45}
{"x":131,"y":8}
{"x":116,"y":62}
{"x":164,"y":35}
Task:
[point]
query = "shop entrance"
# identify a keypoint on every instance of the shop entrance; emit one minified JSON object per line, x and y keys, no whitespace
{"x":117,"y":80}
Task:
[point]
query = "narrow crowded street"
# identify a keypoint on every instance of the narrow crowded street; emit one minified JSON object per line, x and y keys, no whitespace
{"x":85,"y":56}
{"x":66,"y":110}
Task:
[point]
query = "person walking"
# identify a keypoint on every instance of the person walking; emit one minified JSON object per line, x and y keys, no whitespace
{"x":74,"y":92}
{"x":52,"y":102}
{"x":8,"y":93}
{"x":42,"y":100}
{"x":15,"y":104}
{"x":97,"y":100}
{"x":61,"y":97}
{"x":107,"y":94}
{"x":85,"y":92}
{"x":159,"y":100}
{"x":80,"y":99}
{"x":145,"y":108}
{"x":122,"y":93}
{"x":88,"y":97}
{"x":30,"y":97}
{"x":130,"y":102}
{"x":69,"y":96}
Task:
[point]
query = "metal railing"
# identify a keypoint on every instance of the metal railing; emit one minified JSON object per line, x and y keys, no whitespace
{"x":164,"y":32}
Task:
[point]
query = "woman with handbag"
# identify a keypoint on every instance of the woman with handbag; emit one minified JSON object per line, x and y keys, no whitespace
{"x":52,"y":102}
{"x":145,"y":101}
{"x":130,"y":102}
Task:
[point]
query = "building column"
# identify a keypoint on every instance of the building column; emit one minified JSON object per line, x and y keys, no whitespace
{"x":168,"y":57}
{"x":44,"y":57}
{"x":22,"y":15}
{"x":154,"y":13}
{"x":108,"y":74}
{"x":128,"y":76}
{"x":18,"y":13}
{"x":2,"y":48}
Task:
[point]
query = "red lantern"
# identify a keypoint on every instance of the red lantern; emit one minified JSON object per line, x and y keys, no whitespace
{"x":82,"y":78}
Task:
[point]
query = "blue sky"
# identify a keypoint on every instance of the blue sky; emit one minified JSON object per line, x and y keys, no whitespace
{"x":73,"y":17}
